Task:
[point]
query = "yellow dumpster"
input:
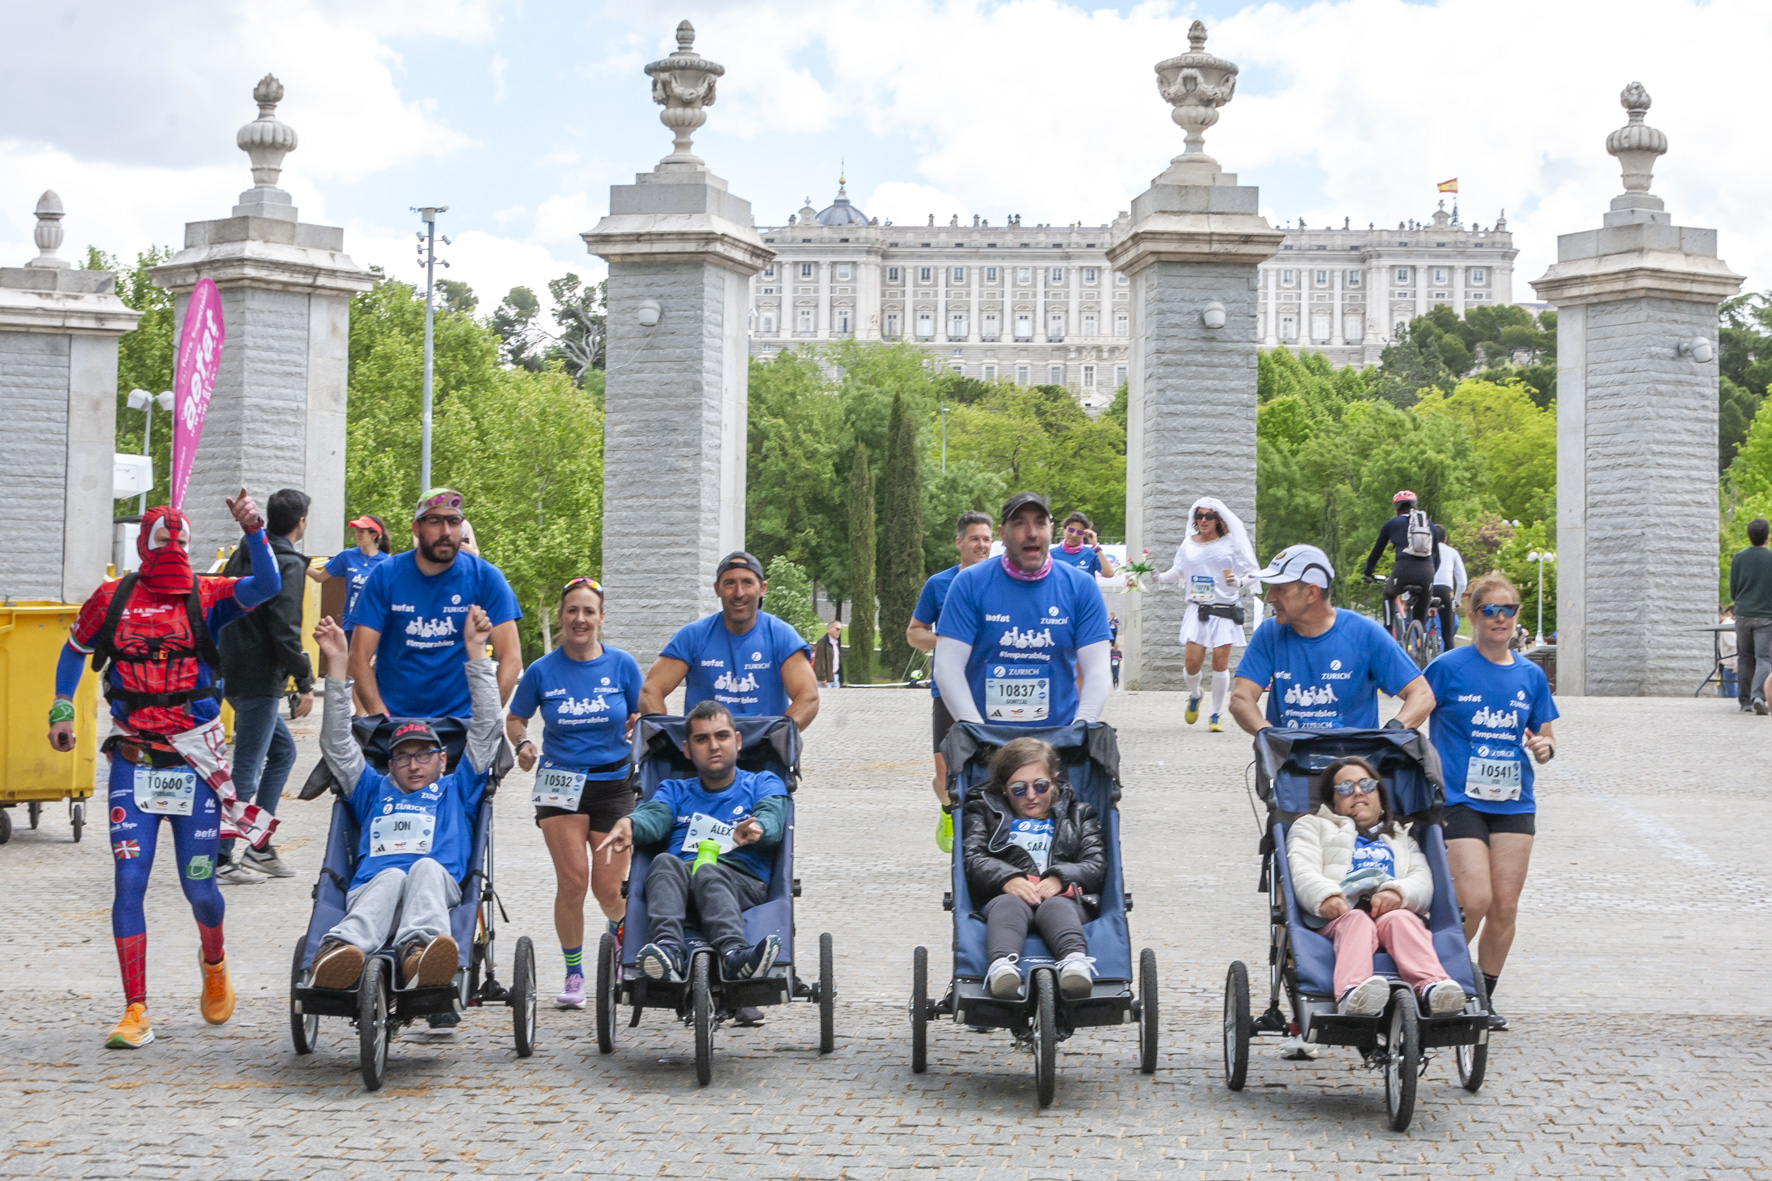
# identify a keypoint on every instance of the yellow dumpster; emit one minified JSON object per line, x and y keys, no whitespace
{"x":31,"y":771}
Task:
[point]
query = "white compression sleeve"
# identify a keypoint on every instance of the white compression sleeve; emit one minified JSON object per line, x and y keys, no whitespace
{"x":1221,"y":684}
{"x":950,"y":677}
{"x":1096,"y":663}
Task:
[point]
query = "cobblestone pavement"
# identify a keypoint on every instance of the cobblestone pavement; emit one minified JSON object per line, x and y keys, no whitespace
{"x":1635,"y":1052}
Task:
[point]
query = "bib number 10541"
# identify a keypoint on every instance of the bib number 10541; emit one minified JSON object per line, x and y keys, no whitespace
{"x":1493,"y":779}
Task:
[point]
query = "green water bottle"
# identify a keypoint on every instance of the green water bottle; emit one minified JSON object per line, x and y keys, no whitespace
{"x":706,"y":853}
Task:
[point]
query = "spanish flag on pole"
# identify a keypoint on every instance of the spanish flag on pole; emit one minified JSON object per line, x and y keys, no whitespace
{"x":1449,"y":186}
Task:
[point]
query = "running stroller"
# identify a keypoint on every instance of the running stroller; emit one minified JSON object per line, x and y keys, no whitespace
{"x":378,"y":1006}
{"x":704,"y":1001}
{"x":1302,"y":960}
{"x":1091,"y":756}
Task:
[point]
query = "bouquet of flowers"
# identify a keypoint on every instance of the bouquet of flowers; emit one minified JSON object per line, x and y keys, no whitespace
{"x":1135,"y":571}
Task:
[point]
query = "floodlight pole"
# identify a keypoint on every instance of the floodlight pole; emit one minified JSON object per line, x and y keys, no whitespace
{"x":428,"y":214}
{"x":944,"y":438}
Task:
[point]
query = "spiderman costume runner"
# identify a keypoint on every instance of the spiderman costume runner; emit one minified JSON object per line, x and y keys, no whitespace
{"x":156,"y":631}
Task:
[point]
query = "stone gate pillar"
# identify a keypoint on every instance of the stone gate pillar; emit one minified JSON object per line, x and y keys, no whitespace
{"x":681,"y":252}
{"x":1191,"y":246}
{"x":1636,"y":436}
{"x":58,"y":392}
{"x":278,"y":416}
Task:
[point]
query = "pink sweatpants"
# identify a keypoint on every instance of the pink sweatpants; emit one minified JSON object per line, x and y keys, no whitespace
{"x":1401,"y":932}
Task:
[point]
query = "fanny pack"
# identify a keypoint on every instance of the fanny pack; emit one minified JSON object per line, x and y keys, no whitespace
{"x":1232,"y":612}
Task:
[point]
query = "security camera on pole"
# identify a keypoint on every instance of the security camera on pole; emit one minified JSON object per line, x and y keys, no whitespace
{"x":427,"y":258}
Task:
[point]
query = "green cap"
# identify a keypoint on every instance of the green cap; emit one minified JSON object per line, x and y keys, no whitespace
{"x":437,"y":498}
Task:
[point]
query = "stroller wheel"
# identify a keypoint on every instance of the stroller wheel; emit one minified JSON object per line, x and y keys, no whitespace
{"x":920,"y":1010}
{"x":523,"y":997}
{"x":702,"y":1001}
{"x":373,"y":1027}
{"x":1473,"y":1061}
{"x":304,"y":1028}
{"x":1236,"y":1026}
{"x":1402,"y":1063}
{"x":827,"y":995}
{"x":1045,"y":1035}
{"x":606,"y":956}
{"x":1147,"y":1011}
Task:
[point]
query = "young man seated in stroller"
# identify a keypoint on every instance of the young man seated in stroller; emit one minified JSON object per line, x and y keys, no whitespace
{"x":417,"y":825}
{"x":723,"y":828}
{"x":1034,"y":855}
{"x":1356,"y":867}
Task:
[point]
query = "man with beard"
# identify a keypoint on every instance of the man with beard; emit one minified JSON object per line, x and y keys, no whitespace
{"x":407,"y":652}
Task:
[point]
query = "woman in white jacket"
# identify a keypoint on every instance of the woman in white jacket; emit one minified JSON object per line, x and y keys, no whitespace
{"x":1347,"y":846}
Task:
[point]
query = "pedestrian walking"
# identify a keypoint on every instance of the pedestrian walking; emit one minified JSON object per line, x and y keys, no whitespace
{"x":259,"y":656}
{"x":1750,"y":586}
{"x":827,"y":657}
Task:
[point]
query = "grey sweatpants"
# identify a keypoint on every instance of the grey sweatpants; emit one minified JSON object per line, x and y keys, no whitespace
{"x":720,"y":893}
{"x":1753,"y":657}
{"x":1059,"y":921}
{"x":419,"y":897}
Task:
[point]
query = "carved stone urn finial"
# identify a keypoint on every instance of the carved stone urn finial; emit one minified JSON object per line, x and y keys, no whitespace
{"x":48,"y":234}
{"x":267,"y":139}
{"x":1196,"y":84}
{"x":1636,"y":144}
{"x":683,"y":84}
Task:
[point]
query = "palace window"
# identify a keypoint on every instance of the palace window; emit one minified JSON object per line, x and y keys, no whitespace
{"x":1479,"y":275}
{"x":1022,"y":375}
{"x":892,"y":274}
{"x":805,"y":270}
{"x":1353,"y":279}
{"x":993,"y":326}
{"x":1091,"y":324}
{"x":1402,"y":274}
{"x":925,"y":274}
{"x":1122,"y":324}
{"x":891,"y":325}
{"x":1056,"y":278}
{"x":990,"y":274}
{"x":958,"y":275}
{"x":803,"y":321}
{"x":1089,"y":276}
{"x":1055,"y":375}
{"x":843,"y":272}
{"x":1088,"y":377}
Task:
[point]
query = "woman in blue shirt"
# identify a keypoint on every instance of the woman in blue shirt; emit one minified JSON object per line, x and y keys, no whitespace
{"x":354,"y":565}
{"x":1491,"y":722}
{"x":589,"y":697}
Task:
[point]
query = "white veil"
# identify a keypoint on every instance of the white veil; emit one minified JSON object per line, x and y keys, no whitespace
{"x":1238,"y":536}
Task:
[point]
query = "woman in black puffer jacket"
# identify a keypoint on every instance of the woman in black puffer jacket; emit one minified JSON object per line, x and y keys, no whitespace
{"x":1034,"y":855}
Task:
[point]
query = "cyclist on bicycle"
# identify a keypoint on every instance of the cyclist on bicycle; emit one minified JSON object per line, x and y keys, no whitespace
{"x":1411,"y":534}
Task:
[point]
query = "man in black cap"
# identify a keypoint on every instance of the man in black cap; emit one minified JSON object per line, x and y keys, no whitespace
{"x":743,"y":657}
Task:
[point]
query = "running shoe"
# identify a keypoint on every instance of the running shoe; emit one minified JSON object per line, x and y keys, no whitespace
{"x":1760,"y":706}
{"x":664,"y":962}
{"x":267,"y":862}
{"x":1003,"y":980}
{"x":217,"y":1004}
{"x":748,"y":1017}
{"x":429,"y":963}
{"x":237,"y":873}
{"x":337,"y":964}
{"x":1497,"y":1023}
{"x":944,"y":832}
{"x":743,"y":963}
{"x":1213,"y":725}
{"x":1076,"y":975}
{"x":1296,"y":1049}
{"x":1367,"y":998}
{"x":1193,"y":709}
{"x":1444,"y":998}
{"x":134,"y":1031}
{"x":573,"y":995}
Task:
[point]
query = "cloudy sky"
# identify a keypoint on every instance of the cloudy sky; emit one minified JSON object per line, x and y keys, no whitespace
{"x":519,"y":114}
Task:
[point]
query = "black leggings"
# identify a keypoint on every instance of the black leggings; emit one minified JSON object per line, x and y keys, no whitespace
{"x":1058,"y":920}
{"x":1448,"y":624}
{"x":1415,"y":574}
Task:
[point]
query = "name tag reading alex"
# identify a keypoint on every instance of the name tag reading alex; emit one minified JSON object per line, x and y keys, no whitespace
{"x":703,"y":827}
{"x":1017,"y":699}
{"x":558,"y":787}
{"x":395,"y":833}
{"x":165,"y":791}
{"x":1202,"y":588}
{"x":1493,"y":779}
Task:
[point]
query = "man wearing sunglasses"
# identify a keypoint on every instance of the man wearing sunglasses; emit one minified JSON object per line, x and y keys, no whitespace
{"x":415,"y":823}
{"x":407,"y":643}
{"x":1326,"y":666}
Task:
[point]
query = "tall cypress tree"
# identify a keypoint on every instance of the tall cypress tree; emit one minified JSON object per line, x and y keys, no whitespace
{"x":862,"y":583}
{"x":901,"y":548}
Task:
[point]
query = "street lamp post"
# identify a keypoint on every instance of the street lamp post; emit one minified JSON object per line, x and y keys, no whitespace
{"x":1541,"y":559}
{"x":944,"y":437}
{"x":427,"y":256}
{"x":145,"y":402}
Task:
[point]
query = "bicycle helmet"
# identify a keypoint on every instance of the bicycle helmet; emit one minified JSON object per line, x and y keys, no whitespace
{"x":1400,"y":497}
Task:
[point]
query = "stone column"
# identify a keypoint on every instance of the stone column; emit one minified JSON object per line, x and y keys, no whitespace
{"x":1193,"y":248}
{"x":58,"y":383}
{"x":1636,"y":437}
{"x":680,"y":249}
{"x":278,"y":416}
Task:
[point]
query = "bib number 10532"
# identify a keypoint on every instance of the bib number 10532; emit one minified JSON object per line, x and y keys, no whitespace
{"x":557,"y":787}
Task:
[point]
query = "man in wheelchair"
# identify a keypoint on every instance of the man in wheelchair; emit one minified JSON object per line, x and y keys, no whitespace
{"x":417,"y":825}
{"x":723,"y":827}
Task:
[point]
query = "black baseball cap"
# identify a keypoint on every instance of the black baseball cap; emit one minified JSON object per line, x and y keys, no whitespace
{"x":1020,"y":501}
{"x":414,"y":732}
{"x":739,"y":560}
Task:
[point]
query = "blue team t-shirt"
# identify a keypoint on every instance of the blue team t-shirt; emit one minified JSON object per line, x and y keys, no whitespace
{"x":742,"y":673}
{"x":397,"y":827}
{"x":1024,"y":637}
{"x":419,"y":663}
{"x":704,"y":815}
{"x":929,"y":604}
{"x":354,"y":566}
{"x":1370,"y":852}
{"x":584,"y":707}
{"x":1326,"y":682}
{"x":1482,"y":711}
{"x":1085,"y":559}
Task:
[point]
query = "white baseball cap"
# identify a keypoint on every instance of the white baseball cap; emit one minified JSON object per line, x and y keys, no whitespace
{"x":1299,"y":563}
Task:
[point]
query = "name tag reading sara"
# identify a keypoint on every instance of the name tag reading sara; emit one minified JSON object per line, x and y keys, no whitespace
{"x":558,"y":787}
{"x":395,"y":833}
{"x":165,"y":791}
{"x":1035,"y":836}
{"x":1017,"y":699}
{"x":1493,"y":779}
{"x":703,"y":827}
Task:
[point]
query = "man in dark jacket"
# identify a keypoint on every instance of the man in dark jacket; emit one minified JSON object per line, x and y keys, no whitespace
{"x":258,"y":656}
{"x":1750,"y":586}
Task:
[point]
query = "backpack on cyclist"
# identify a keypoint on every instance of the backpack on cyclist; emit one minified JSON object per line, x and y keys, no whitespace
{"x":1421,"y":535}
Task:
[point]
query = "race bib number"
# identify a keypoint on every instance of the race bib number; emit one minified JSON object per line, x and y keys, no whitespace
{"x":558,"y":787}
{"x":1036,"y":837}
{"x":165,"y":791}
{"x":1493,"y":779}
{"x":395,"y":833}
{"x":1202,"y":588}
{"x":1017,"y":699}
{"x":703,"y":827}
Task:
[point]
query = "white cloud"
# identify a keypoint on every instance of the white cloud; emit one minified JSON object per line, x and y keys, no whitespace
{"x":489,"y":263}
{"x":911,"y":204}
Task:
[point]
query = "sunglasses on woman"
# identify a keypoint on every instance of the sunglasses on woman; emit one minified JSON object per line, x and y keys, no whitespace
{"x":1204,"y":516}
{"x":592,"y":583}
{"x":1348,"y":787}
{"x":1038,"y":786}
{"x":1491,"y":610}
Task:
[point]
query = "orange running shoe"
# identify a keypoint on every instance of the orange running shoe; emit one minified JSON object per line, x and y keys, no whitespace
{"x":134,"y":1031}
{"x":218,"y":993}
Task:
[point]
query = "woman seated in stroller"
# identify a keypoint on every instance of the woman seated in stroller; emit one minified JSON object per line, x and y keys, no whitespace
{"x":1365,"y":881}
{"x":1034,"y":855}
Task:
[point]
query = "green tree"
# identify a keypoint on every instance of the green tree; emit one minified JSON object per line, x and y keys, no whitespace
{"x":514,"y":322}
{"x":582,"y":322}
{"x":455,"y":296}
{"x":794,"y":493}
{"x":901,"y":560}
{"x":1515,"y":436}
{"x":144,"y":360}
{"x":862,"y":591}
{"x":965,"y":487}
{"x":790,"y":599}
{"x":1511,"y":560}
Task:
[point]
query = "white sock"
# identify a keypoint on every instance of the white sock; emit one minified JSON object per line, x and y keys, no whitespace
{"x":1221,"y":684}
{"x":1193,"y":683}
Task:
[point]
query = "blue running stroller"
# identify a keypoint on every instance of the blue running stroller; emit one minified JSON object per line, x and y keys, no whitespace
{"x":1302,"y":960}
{"x":704,"y":1001}
{"x":1043,"y":1017}
{"x":380,"y":1005}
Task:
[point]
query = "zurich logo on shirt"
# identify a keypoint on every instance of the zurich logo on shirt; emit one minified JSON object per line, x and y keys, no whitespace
{"x":455,"y":600}
{"x":1335,"y":666}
